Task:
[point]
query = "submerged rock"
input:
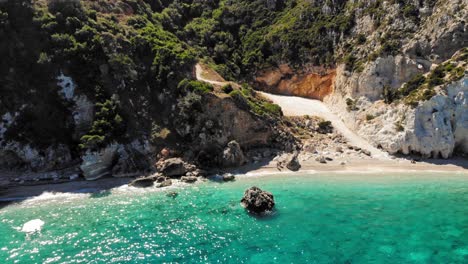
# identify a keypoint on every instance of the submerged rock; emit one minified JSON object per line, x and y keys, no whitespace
{"x":257,"y":201}
{"x":172,"y":195}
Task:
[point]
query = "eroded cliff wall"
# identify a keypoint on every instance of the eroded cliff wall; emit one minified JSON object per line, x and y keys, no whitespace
{"x":314,"y":83}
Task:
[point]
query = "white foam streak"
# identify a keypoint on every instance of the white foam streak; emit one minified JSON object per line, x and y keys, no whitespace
{"x":33,"y":226}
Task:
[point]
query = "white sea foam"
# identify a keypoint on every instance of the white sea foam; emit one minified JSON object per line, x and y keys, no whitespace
{"x":53,"y":197}
{"x":33,"y":226}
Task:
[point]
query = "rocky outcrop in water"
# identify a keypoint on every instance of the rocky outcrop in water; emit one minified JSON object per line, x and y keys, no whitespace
{"x":257,"y":201}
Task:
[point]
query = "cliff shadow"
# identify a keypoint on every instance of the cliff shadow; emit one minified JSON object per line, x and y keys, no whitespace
{"x":98,"y":189}
{"x":216,"y":175}
{"x":457,"y":161}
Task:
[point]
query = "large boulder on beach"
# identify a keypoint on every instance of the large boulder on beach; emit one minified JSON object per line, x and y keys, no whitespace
{"x":97,"y":164}
{"x":143,"y":182}
{"x":257,"y":201}
{"x":293,"y":163}
{"x":233,"y":155}
{"x":174,"y":167}
{"x":228,"y":177}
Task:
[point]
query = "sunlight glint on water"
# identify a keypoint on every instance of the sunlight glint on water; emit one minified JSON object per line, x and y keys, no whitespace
{"x":318,"y":219}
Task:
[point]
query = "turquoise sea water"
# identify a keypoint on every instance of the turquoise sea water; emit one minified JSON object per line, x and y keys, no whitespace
{"x":318,"y":219}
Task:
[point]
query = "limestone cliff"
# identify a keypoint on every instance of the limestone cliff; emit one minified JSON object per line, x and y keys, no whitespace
{"x":435,"y":128}
{"x":387,"y":54}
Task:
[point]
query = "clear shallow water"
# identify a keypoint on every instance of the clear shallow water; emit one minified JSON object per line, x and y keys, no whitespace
{"x":318,"y":219}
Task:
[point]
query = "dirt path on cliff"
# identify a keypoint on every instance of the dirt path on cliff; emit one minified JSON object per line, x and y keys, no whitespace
{"x":298,"y":106}
{"x":200,"y":74}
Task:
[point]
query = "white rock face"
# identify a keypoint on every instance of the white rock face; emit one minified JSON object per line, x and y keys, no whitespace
{"x":459,"y":93}
{"x":51,"y":156}
{"x":441,"y":34}
{"x":5,"y":122}
{"x":387,"y":71}
{"x":83,"y":109}
{"x":83,"y":112}
{"x":97,"y":164}
{"x":435,"y":128}
{"x":67,"y":85}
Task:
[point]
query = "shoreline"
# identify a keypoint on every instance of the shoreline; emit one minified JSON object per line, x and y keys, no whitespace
{"x":369,"y":166}
{"x":357,"y":165}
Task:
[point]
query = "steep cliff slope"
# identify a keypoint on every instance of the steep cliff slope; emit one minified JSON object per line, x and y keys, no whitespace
{"x":111,"y":82}
{"x":106,"y":85}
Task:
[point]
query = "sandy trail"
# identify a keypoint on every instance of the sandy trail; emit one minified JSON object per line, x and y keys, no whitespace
{"x":298,"y":106}
{"x":199,"y":75}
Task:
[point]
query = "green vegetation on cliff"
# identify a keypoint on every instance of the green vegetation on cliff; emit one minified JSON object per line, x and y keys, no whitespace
{"x":138,"y":52}
{"x":131,"y":60}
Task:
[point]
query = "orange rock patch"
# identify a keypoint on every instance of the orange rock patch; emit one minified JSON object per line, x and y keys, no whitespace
{"x":284,"y":81}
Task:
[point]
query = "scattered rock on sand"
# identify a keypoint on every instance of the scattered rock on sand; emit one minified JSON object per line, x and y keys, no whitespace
{"x":257,"y":201}
{"x":366,"y":152}
{"x":321,"y":159}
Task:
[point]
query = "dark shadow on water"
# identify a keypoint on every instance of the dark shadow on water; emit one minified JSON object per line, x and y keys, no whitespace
{"x":216,"y":174}
{"x":5,"y":204}
{"x":98,"y":189}
{"x":100,"y":194}
{"x":458,"y":161}
{"x":172,"y":194}
{"x":267,"y":216}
